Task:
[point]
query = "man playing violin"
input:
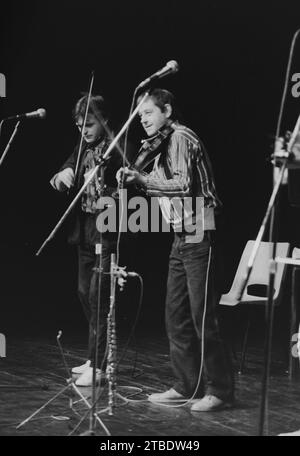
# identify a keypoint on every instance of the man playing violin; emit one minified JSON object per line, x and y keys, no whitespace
{"x":85,"y":234}
{"x":182,"y":173}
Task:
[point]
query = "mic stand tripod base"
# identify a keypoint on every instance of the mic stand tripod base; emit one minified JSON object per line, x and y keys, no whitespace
{"x":88,"y":433}
{"x":111,"y":407}
{"x":71,"y":383}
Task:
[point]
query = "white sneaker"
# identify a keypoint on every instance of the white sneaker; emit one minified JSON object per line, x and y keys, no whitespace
{"x":167,"y":396}
{"x":82,"y":368}
{"x":86,"y":379}
{"x":209,"y":403}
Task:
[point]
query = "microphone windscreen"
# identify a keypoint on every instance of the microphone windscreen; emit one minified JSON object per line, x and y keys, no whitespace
{"x":42,"y":113}
{"x":173,"y":65}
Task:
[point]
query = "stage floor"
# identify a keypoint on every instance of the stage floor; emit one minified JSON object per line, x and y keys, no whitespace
{"x":33,"y":372}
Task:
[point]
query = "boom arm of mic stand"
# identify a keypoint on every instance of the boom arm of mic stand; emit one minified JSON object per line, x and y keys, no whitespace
{"x":105,"y":157}
{"x":293,"y":136}
{"x":9,"y":142}
{"x":125,"y":126}
{"x":262,"y":230}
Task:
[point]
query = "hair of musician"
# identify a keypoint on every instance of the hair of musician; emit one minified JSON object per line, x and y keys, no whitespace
{"x":162,"y":97}
{"x":97,"y":107}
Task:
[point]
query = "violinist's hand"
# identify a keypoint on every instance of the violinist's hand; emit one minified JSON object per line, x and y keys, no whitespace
{"x":120,"y":175}
{"x":130,"y":176}
{"x":64,"y":178}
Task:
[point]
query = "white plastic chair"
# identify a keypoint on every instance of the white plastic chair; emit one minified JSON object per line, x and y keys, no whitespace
{"x":258,"y":279}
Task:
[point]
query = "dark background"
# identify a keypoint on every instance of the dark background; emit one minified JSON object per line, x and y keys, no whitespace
{"x":232,"y":57}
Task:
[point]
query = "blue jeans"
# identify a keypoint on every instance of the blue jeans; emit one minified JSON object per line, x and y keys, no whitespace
{"x":186,"y":297}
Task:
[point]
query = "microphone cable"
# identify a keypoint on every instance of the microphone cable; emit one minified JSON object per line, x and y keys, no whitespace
{"x":121,"y":183}
{"x":63,"y":355}
{"x":124,"y":350}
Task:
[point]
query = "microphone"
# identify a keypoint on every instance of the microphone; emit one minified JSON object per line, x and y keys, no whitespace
{"x":170,"y":68}
{"x":39,"y":113}
{"x":131,"y":274}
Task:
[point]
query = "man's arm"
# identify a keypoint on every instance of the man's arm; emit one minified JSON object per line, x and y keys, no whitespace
{"x":179,"y":167}
{"x":64,"y":179}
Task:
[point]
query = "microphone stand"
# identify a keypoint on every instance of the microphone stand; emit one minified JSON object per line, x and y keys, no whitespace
{"x":262,"y":229}
{"x":1,"y":161}
{"x":111,"y":339}
{"x":9,"y":142}
{"x":271,"y":209}
{"x":272,"y":273}
{"x":70,"y":384}
{"x":119,"y":273}
{"x":116,"y":273}
{"x":98,"y":251}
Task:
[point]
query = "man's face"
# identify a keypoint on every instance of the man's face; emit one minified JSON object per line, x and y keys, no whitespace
{"x":93,"y":129}
{"x":152,"y":118}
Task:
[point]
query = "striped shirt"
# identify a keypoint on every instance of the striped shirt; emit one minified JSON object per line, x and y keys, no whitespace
{"x":181,"y":174}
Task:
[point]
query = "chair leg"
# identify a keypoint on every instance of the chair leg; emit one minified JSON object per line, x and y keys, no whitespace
{"x":234,"y":337}
{"x":244,"y":348}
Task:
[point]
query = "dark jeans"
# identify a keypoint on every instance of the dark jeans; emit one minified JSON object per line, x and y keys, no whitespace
{"x":186,"y":296}
{"x":88,"y":285}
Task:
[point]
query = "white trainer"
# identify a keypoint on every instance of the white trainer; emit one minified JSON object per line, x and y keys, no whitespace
{"x":82,"y":368}
{"x":86,"y":379}
{"x":209,"y":403}
{"x":167,"y":396}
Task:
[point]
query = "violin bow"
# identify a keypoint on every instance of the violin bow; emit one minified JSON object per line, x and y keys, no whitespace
{"x":84,"y":123}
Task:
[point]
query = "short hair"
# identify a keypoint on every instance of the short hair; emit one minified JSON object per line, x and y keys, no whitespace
{"x":97,"y":107}
{"x":160,"y":98}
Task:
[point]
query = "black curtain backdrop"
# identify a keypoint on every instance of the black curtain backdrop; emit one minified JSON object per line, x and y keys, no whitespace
{"x":232,"y":57}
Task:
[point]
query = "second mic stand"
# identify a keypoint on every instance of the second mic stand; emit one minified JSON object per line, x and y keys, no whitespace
{"x":284,"y":158}
{"x":100,"y":272}
{"x":116,"y":274}
{"x":112,"y":339}
{"x":9,"y":142}
{"x":1,"y":162}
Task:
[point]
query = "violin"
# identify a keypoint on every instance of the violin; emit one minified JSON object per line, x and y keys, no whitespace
{"x":151,"y":148}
